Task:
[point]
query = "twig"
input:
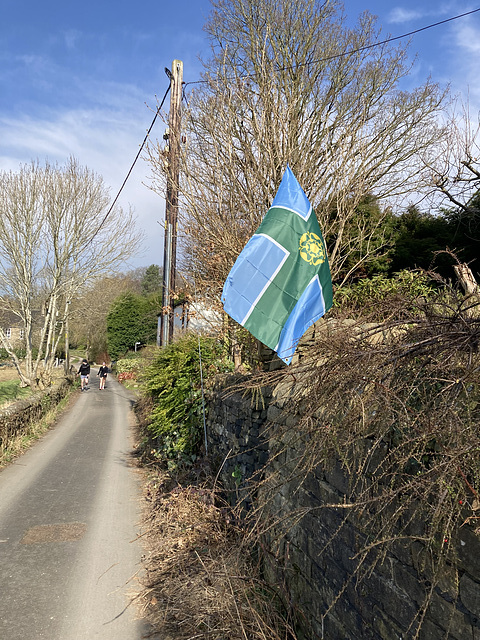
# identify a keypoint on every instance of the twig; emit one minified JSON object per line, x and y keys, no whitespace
{"x":468,"y":483}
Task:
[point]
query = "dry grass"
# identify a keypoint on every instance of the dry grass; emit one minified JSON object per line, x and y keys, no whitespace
{"x":18,"y":444}
{"x":10,"y":390}
{"x":8,"y":373}
{"x":201,"y":579}
{"x":397,"y":406}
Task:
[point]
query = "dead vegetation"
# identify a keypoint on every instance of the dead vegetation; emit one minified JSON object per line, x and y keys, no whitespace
{"x":397,"y":405}
{"x":8,"y":373}
{"x":19,"y":430}
{"x":202,"y":580}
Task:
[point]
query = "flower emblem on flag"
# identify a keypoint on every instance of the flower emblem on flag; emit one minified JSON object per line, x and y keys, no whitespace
{"x":280,"y":283}
{"x":312,"y":249}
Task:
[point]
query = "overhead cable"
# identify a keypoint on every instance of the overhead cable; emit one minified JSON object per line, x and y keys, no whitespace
{"x":159,"y":108}
{"x":366,"y":47}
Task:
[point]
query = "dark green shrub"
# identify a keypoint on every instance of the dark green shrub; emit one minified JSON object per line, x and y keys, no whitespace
{"x":173,"y":383}
{"x":378,"y":294}
{"x":131,"y":319}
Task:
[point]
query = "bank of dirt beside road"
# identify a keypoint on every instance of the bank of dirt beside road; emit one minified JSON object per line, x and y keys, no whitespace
{"x":24,"y":421}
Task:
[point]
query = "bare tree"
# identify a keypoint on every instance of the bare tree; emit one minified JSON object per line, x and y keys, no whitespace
{"x":288,"y":82}
{"x":96,"y":300}
{"x":56,"y":234}
{"x":454,"y":171}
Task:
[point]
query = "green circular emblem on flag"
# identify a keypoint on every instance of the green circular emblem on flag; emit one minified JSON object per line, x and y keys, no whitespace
{"x":311,"y":249}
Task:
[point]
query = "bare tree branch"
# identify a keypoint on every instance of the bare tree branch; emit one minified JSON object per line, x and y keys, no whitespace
{"x":276,"y":92}
{"x":50,"y":246}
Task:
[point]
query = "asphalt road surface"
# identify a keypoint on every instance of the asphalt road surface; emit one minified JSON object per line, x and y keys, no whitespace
{"x":69,"y":517}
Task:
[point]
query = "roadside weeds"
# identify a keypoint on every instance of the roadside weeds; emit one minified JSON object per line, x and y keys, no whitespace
{"x":201,"y":579}
{"x":34,"y":430}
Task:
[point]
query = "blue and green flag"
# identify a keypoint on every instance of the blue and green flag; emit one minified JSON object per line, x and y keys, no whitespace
{"x":280,"y":283}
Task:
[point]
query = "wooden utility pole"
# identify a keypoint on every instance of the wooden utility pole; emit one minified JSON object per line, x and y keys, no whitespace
{"x":171,"y":204}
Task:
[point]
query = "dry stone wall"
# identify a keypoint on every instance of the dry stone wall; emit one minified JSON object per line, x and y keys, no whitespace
{"x":14,"y":417}
{"x":235,"y":424}
{"x":316,"y":556}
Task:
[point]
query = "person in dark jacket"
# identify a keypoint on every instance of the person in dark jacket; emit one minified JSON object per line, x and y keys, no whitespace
{"x":84,"y":371}
{"x":102,"y":373}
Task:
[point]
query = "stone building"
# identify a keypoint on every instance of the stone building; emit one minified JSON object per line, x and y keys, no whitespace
{"x":13,"y":328}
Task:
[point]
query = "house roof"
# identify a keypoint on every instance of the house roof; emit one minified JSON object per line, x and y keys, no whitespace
{"x":9,"y":319}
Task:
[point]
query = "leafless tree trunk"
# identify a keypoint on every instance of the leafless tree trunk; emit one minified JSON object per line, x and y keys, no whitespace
{"x":465,"y":275}
{"x":55,"y":236}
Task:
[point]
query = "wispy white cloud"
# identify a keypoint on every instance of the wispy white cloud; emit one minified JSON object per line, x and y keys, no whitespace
{"x":72,"y":36}
{"x":467,"y":39}
{"x":104,"y":140}
{"x":466,"y":61}
{"x":448,"y":54}
{"x":72,"y":87}
{"x":399,"y":15}
{"x":403,"y":14}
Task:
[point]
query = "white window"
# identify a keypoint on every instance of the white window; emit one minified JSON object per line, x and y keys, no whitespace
{"x":8,"y":333}
{"x":22,"y":334}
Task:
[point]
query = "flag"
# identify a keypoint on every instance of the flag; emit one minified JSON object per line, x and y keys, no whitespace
{"x":280,"y":284}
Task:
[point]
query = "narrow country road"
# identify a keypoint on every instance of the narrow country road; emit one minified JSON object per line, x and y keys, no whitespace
{"x":69,"y":516}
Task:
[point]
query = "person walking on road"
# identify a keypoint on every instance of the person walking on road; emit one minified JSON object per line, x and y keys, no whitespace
{"x":84,"y":371}
{"x":102,"y":373}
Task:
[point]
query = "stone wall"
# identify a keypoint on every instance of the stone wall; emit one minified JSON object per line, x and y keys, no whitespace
{"x":235,"y":424}
{"x":16,"y":416}
{"x":316,"y":555}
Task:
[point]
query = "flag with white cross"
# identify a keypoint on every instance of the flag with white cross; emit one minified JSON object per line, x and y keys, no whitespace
{"x":280,"y":283}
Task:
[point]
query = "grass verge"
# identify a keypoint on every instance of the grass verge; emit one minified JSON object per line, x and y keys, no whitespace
{"x":10,"y":391}
{"x":32,"y":432}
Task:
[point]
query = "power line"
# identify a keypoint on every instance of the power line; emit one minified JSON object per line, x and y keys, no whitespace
{"x":132,"y":166}
{"x":405,"y":35}
{"x":366,"y":47}
{"x":327,"y":59}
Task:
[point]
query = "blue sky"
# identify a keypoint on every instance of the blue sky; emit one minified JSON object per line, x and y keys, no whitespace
{"x":81,"y":79}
